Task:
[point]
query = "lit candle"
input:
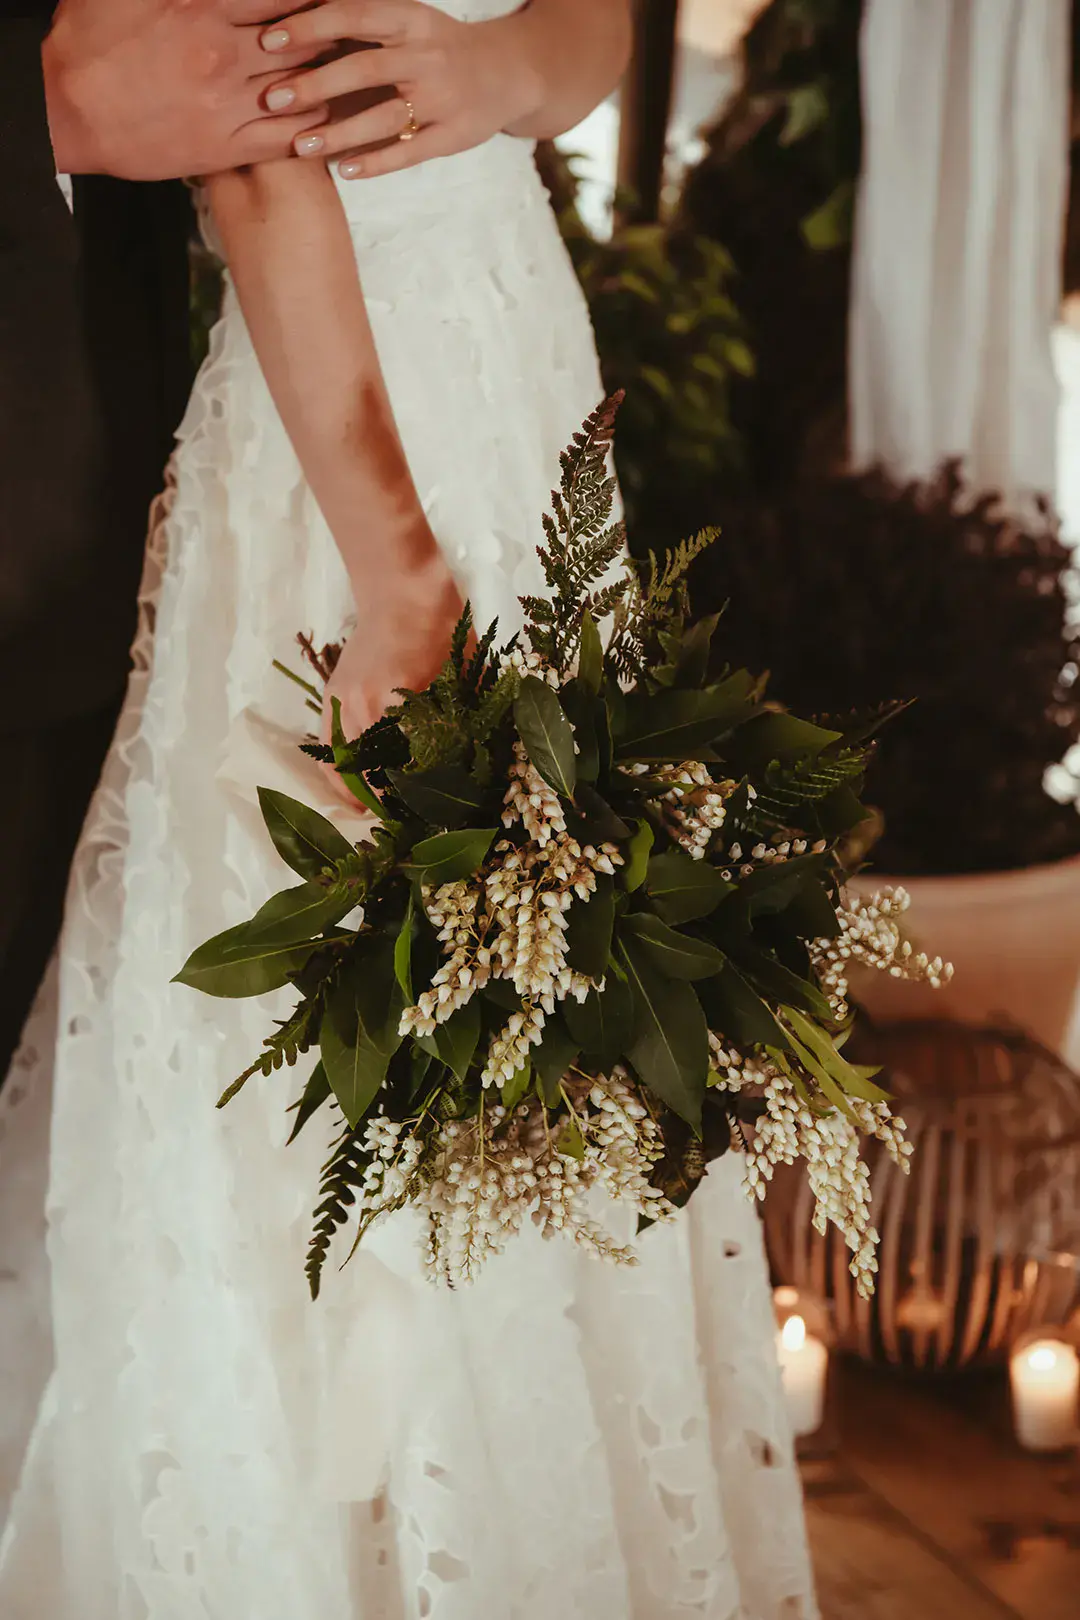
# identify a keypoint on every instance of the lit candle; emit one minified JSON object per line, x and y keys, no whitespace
{"x":803,"y":1365}
{"x":1045,"y":1379}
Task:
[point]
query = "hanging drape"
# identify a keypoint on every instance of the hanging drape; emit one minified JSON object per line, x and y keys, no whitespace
{"x":957,"y":266}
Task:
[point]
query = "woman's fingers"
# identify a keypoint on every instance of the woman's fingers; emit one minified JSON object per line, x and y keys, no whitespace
{"x":438,"y":140}
{"x":386,"y":122}
{"x":346,"y":76}
{"x":266,"y":140}
{"x":380,"y":22}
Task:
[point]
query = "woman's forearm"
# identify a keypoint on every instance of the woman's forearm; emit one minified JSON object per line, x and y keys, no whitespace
{"x":292,"y":261}
{"x":579,"y":49}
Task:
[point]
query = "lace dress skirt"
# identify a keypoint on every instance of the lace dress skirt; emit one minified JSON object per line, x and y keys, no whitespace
{"x":563,"y":1438}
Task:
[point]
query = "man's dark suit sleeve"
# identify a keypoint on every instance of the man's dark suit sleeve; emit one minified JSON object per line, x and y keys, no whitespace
{"x":48,"y":434}
{"x":93,"y":376}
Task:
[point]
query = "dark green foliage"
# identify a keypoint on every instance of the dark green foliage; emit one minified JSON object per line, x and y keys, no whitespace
{"x":856,"y":590}
{"x":776,"y":186}
{"x":671,"y":339}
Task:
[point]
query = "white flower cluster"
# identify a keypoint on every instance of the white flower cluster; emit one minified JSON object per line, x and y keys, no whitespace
{"x":830,"y":1145}
{"x":510,"y":922}
{"x":871,"y":933}
{"x":393,"y":1176}
{"x":769,"y":855}
{"x":529,"y":663}
{"x":695,"y":807}
{"x":490,"y":1175}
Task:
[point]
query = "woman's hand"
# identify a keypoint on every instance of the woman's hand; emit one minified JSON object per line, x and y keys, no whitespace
{"x":458,"y":83}
{"x":405,"y":623}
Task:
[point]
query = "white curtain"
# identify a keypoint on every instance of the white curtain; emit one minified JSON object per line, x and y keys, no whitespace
{"x":957,"y":269}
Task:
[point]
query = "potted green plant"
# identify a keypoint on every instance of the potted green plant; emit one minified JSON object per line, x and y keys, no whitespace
{"x":852,"y":585}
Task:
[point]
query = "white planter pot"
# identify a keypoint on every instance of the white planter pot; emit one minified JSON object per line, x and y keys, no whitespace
{"x":1014,"y":941}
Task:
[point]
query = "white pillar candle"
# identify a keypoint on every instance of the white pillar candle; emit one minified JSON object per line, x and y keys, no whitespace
{"x":803,"y":1365}
{"x":1045,"y":1378}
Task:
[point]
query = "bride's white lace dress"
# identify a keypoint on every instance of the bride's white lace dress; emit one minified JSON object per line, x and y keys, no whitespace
{"x":563,"y":1439}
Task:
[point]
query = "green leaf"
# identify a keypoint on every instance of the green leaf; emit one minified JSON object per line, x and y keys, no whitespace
{"x":670,"y":1047}
{"x":590,"y":670}
{"x":403,"y":949}
{"x":516,"y":1087}
{"x":378,"y":995}
{"x":692,"y":661}
{"x":342,"y":759}
{"x":355,"y":1070}
{"x":738,"y":1013}
{"x":316,"y":1092}
{"x":337,"y":731}
{"x":551,"y":1060}
{"x":830,"y":226}
{"x":456,"y":1040}
{"x":780,"y":984}
{"x":305,"y":840}
{"x":569,"y":1140}
{"x":673,"y":725}
{"x":445,"y":796}
{"x":586,"y":714}
{"x":682,"y":889}
{"x":637,"y":856}
{"x":545,"y":731}
{"x":770,"y":889}
{"x":821,"y":1057}
{"x":675,"y":955}
{"x":355,"y":1065}
{"x":812,"y":913}
{"x":603,"y":1024}
{"x":588,"y":929}
{"x":602,"y":825}
{"x":739,"y":356}
{"x":360,"y":1029}
{"x":840,"y":813}
{"x":501,"y":993}
{"x":777,"y":735}
{"x":807,"y":110}
{"x":235,"y":965}
{"x":450,"y":856}
{"x":300,"y":915}
{"x":420,"y":1063}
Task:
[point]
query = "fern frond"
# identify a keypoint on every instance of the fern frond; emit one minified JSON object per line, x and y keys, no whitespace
{"x":654,"y":605}
{"x":495,"y":705}
{"x":582,"y":543}
{"x":786,"y":792}
{"x":289,"y":1042}
{"x":342,"y":1173}
{"x":480,"y":671}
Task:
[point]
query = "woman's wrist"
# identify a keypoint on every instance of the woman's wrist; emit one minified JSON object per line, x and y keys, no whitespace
{"x":570,"y":56}
{"x":530,"y":89}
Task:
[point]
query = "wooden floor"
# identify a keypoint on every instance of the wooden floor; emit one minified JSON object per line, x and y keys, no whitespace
{"x":926,"y":1510}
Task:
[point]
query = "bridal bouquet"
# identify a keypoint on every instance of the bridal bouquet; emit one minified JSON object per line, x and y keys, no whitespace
{"x":598,"y":935}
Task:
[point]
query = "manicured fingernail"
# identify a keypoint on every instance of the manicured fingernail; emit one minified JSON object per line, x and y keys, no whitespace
{"x":275,"y":39}
{"x":278,"y":100}
{"x":351,"y":169}
{"x":308,"y":145}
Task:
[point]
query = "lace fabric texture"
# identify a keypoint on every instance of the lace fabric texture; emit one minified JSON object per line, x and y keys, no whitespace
{"x":562,"y":1439}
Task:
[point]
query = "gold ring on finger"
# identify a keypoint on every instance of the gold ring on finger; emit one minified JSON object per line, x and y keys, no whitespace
{"x":412,"y":128}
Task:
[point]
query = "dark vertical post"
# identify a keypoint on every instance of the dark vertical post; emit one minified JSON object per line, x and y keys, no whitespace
{"x":646,"y":109}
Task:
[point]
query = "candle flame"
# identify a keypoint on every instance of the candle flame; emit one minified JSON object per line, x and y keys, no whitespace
{"x":1042,"y":1358}
{"x":793,"y":1333}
